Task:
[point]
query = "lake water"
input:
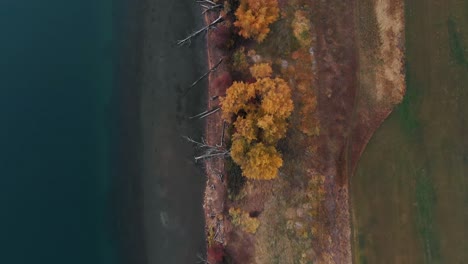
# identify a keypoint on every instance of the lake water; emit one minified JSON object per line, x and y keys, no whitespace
{"x":55,"y":89}
{"x":410,"y":191}
{"x":93,"y":167}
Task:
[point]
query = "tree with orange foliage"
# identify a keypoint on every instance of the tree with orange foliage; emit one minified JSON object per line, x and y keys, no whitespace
{"x":258,"y":112}
{"x":255,"y":16}
{"x":262,"y":162}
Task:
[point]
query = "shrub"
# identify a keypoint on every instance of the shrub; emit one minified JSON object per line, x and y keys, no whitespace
{"x":239,"y":61}
{"x":223,"y":81}
{"x":243,"y":219}
{"x":215,"y":254}
{"x":261,"y":70}
{"x":221,"y":36}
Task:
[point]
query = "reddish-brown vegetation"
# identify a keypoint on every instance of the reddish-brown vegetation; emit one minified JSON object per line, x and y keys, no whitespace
{"x":222,"y":82}
{"x":215,"y":254}
{"x":221,"y":37}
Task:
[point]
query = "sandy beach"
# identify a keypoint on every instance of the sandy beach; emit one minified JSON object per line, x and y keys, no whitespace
{"x":162,"y":184}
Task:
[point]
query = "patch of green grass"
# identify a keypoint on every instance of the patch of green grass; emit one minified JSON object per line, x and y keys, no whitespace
{"x":239,"y":61}
{"x":362,"y":246}
{"x":425,"y":200}
{"x":305,"y":35}
{"x":457,"y":48}
{"x":360,"y":255}
{"x":407,"y":110}
{"x":362,"y":241}
{"x":280,"y":42}
{"x":362,"y":260}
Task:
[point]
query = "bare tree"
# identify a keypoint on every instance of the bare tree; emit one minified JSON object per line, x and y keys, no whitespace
{"x":208,"y":5}
{"x":206,"y":74}
{"x":208,"y":151}
{"x":204,"y":29}
{"x":202,"y":259}
{"x":222,"y":135}
{"x":205,"y":113}
{"x":217,"y":237}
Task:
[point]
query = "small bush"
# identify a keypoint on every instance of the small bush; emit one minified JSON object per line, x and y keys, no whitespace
{"x":239,"y":61}
{"x":243,"y":219}
{"x":215,"y":254}
{"x":221,"y":36}
{"x":223,"y":81}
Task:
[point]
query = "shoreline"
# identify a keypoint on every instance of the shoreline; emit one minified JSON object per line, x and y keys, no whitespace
{"x":156,"y":192}
{"x":214,"y":198}
{"x":172,"y":182}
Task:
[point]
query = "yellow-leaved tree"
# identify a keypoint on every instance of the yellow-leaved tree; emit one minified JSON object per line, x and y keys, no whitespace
{"x":258,"y":112}
{"x":255,"y":16}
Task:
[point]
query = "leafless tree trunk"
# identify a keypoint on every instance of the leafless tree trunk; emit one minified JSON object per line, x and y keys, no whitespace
{"x":208,"y":151}
{"x":222,"y":135}
{"x":204,"y":29}
{"x":218,"y":232}
{"x":208,"y":5}
{"x":202,"y":259}
{"x":206,"y":74}
{"x":205,"y":113}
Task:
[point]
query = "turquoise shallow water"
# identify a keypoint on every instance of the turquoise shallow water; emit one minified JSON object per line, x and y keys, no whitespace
{"x":55,"y":90}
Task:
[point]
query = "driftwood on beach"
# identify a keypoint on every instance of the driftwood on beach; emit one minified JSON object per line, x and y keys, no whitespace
{"x":205,"y":113}
{"x":188,"y":39}
{"x":206,"y":74}
{"x":208,"y":5}
{"x":208,"y":151}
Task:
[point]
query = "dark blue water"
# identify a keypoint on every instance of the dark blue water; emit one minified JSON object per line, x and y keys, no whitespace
{"x":55,"y":88}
